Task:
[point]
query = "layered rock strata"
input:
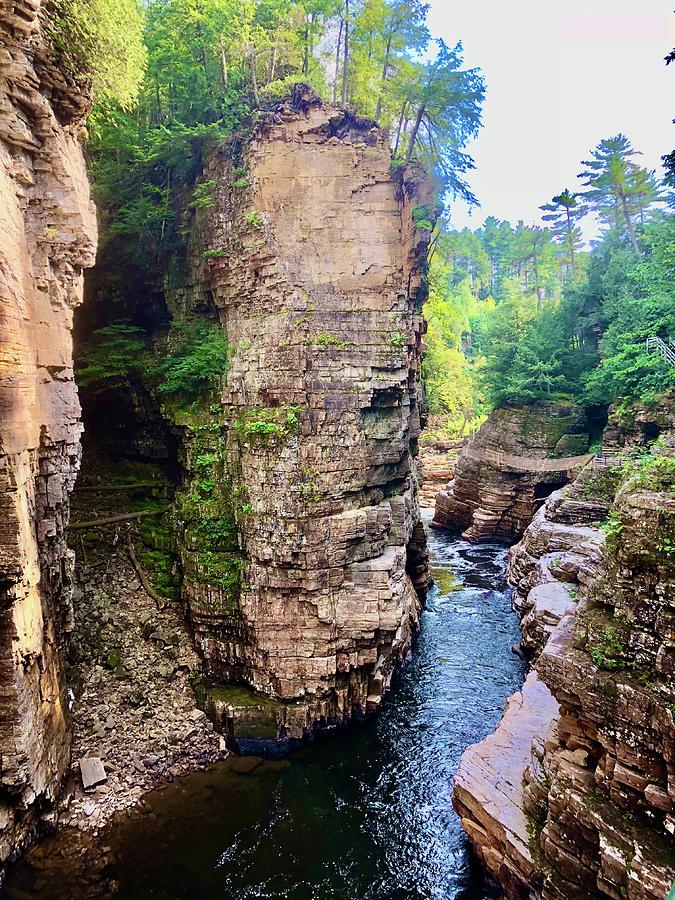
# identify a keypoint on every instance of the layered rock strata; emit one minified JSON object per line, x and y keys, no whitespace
{"x":312,"y":263}
{"x":47,"y":237}
{"x":598,"y":787}
{"x":491,"y":498}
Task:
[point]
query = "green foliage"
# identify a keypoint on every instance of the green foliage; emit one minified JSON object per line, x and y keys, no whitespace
{"x":202,"y":195}
{"x":424,"y":216}
{"x":112,"y":356}
{"x":100,"y":41}
{"x":254,"y":219}
{"x":275,"y":422}
{"x":607,"y":648}
{"x":197,"y":360}
{"x":613,"y":529}
{"x":161,"y":568}
{"x":649,"y":471}
{"x":330,"y":340}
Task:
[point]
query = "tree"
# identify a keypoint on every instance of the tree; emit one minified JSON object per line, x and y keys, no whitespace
{"x":564,"y":211}
{"x":101,"y":40}
{"x":444,"y":106}
{"x":616,"y":187}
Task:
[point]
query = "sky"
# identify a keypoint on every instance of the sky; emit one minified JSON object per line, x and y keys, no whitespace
{"x":560,"y":76}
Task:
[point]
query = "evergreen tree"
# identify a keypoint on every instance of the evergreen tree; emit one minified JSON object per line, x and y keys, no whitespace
{"x":616,"y":187}
{"x":563,"y":212}
{"x":443,"y":104}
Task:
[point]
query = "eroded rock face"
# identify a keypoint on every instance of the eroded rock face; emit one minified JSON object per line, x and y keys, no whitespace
{"x":598,"y":787}
{"x":487,"y":500}
{"x":47,"y":237}
{"x":315,"y":269}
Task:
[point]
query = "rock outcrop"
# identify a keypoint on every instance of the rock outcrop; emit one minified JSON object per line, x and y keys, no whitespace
{"x":598,"y":787}
{"x":47,"y":237}
{"x":297,"y":521}
{"x":493,"y":498}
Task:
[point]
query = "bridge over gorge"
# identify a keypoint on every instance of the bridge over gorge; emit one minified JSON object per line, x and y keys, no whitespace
{"x":526,"y":463}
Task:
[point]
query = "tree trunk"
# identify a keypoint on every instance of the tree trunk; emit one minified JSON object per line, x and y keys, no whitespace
{"x":385,"y":65}
{"x":223,"y":70}
{"x":400,"y":126}
{"x":536,"y":278}
{"x":337,"y":62}
{"x":345,"y":62}
{"x":254,"y":81}
{"x":570,"y":242}
{"x":413,"y":134}
{"x":305,"y":61}
{"x":629,"y":223}
{"x":273,"y":65}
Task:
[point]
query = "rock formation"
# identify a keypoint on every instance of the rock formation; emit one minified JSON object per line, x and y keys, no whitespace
{"x":47,"y":237}
{"x":592,"y":814}
{"x":314,"y":268}
{"x":488,"y":499}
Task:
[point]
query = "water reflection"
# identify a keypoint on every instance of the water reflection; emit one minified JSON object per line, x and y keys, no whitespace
{"x":365,"y":815}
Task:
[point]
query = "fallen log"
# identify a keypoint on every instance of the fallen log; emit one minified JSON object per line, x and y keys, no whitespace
{"x":142,"y":577}
{"x":119,"y":487}
{"x":122,"y":517}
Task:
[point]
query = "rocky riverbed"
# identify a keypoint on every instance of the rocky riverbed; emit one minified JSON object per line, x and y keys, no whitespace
{"x":134,"y":705}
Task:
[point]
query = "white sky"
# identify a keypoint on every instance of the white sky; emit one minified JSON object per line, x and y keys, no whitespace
{"x":560,"y":75}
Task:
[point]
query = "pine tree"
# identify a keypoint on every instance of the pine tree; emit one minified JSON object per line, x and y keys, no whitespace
{"x":617,"y":188}
{"x":563,"y":212}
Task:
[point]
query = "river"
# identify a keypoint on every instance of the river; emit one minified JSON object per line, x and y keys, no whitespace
{"x":365,"y":815}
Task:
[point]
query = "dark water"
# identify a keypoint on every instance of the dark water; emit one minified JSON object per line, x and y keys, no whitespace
{"x":362,"y":816}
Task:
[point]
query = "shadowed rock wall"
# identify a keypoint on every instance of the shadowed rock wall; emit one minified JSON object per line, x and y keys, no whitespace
{"x":47,"y":237}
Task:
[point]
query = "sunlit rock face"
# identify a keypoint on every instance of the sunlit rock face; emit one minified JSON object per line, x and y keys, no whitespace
{"x":311,"y":258}
{"x":47,"y":237}
{"x":486,"y":500}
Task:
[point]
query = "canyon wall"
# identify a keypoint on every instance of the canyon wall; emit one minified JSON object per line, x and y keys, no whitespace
{"x":573,"y":796}
{"x":47,"y":237}
{"x":489,"y":500}
{"x":296,"y":517}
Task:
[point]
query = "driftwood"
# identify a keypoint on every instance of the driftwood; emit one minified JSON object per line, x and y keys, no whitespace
{"x":122,"y":517}
{"x":142,"y":577}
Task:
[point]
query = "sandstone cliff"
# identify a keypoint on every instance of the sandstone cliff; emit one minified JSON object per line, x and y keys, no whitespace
{"x":490,"y":499}
{"x":47,"y":237}
{"x":590,"y":810}
{"x":317,"y":279}
{"x":296,"y":518}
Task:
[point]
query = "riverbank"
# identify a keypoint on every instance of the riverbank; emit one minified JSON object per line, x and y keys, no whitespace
{"x":248,"y":827}
{"x":134,"y":702}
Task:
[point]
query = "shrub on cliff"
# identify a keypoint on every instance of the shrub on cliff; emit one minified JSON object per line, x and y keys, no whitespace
{"x":197,"y":360}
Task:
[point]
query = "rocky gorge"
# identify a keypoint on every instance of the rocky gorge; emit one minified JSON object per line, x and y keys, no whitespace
{"x":287,"y":541}
{"x":238,"y":562}
{"x":572,"y":796}
{"x":490,"y":498}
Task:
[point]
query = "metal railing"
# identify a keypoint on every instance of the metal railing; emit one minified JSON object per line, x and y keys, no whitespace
{"x":666,"y":350}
